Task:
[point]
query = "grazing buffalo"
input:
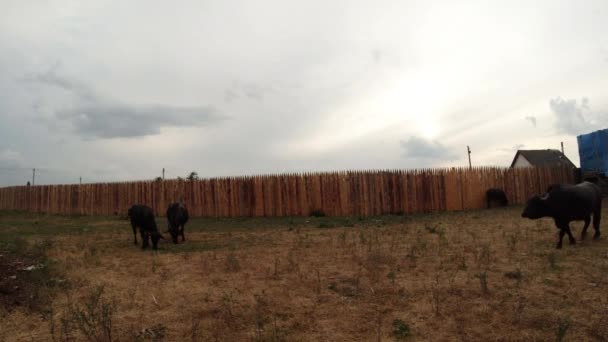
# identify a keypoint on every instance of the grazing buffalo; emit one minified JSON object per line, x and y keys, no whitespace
{"x":566,"y":203}
{"x":496,"y":195}
{"x":143,"y":217}
{"x":177,"y":216}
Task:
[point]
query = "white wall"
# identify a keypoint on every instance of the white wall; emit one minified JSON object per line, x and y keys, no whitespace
{"x":521,"y":162}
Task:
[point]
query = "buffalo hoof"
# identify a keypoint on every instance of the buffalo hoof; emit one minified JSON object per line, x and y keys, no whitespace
{"x":596,"y":237}
{"x":572,"y":241}
{"x":559,"y":246}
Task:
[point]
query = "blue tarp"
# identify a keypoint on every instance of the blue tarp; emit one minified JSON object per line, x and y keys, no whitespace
{"x":593,"y":151}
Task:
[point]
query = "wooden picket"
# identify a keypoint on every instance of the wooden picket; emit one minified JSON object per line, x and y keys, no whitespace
{"x":351,"y":193}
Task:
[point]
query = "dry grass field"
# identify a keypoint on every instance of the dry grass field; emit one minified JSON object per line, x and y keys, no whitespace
{"x":484,"y":275}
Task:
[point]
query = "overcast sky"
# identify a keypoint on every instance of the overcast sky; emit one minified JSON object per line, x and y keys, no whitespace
{"x":116,"y":90}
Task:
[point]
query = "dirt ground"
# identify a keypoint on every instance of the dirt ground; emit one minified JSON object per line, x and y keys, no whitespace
{"x":484,"y":275}
{"x":16,"y":286}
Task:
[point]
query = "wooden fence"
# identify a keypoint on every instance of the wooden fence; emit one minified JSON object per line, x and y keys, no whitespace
{"x":351,"y":193}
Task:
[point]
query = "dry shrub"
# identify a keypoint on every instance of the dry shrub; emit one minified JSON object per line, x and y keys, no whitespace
{"x":91,"y":319}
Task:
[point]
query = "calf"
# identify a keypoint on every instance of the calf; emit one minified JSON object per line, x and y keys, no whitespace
{"x":565,"y":203}
{"x":143,"y":217}
{"x":177,"y":216}
{"x":496,"y":195}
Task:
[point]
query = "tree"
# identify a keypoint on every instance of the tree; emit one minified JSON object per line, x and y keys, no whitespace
{"x":158,"y":179}
{"x":192,"y":176}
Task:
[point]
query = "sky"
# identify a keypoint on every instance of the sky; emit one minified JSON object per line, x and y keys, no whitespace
{"x":118,"y":90}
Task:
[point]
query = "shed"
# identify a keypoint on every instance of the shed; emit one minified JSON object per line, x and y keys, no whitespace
{"x":548,"y":157}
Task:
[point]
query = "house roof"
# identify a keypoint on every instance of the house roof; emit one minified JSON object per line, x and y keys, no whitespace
{"x":546,"y":157}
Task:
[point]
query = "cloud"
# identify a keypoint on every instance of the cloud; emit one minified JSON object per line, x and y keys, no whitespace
{"x":93,"y":116}
{"x":377,"y":55}
{"x":79,"y":89}
{"x":254,"y":91}
{"x":513,"y":148}
{"x":251,"y":91}
{"x":230,"y":95}
{"x":12,"y":170}
{"x":10,"y":158}
{"x":574,"y":118}
{"x":352,"y":93}
{"x":104,"y":120}
{"x":420,"y":148}
{"x":532,"y":119}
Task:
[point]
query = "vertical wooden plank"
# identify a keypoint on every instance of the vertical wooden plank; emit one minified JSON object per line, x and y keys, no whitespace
{"x":337,"y":193}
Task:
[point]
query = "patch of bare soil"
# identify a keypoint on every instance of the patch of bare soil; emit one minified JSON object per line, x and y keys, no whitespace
{"x":17,"y":288}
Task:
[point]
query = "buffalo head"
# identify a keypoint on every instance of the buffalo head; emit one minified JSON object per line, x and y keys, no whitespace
{"x":536,"y":207}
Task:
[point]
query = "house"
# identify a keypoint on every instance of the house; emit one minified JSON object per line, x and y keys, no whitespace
{"x":527,"y":158}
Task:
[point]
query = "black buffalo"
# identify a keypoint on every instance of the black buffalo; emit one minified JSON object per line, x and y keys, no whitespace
{"x":177,"y":216}
{"x":566,"y":203}
{"x":142,"y":217}
{"x":496,"y":195}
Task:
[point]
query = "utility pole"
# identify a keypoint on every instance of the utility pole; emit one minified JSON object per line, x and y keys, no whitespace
{"x":163,"y":173}
{"x":34,"y":176}
{"x":469,"y":151}
{"x":562,"y":147}
{"x":80,"y":180}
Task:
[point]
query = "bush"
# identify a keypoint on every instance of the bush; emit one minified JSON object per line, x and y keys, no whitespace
{"x":401,"y":330}
{"x":92,"y":318}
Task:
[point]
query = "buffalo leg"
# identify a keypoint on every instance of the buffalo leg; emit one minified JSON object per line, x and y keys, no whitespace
{"x":572,"y":239}
{"x":155,"y":238}
{"x":584,"y":232}
{"x":564,"y":228}
{"x":597,"y":215}
{"x":134,"y":234}
{"x":144,"y":237}
{"x":183,"y":236}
